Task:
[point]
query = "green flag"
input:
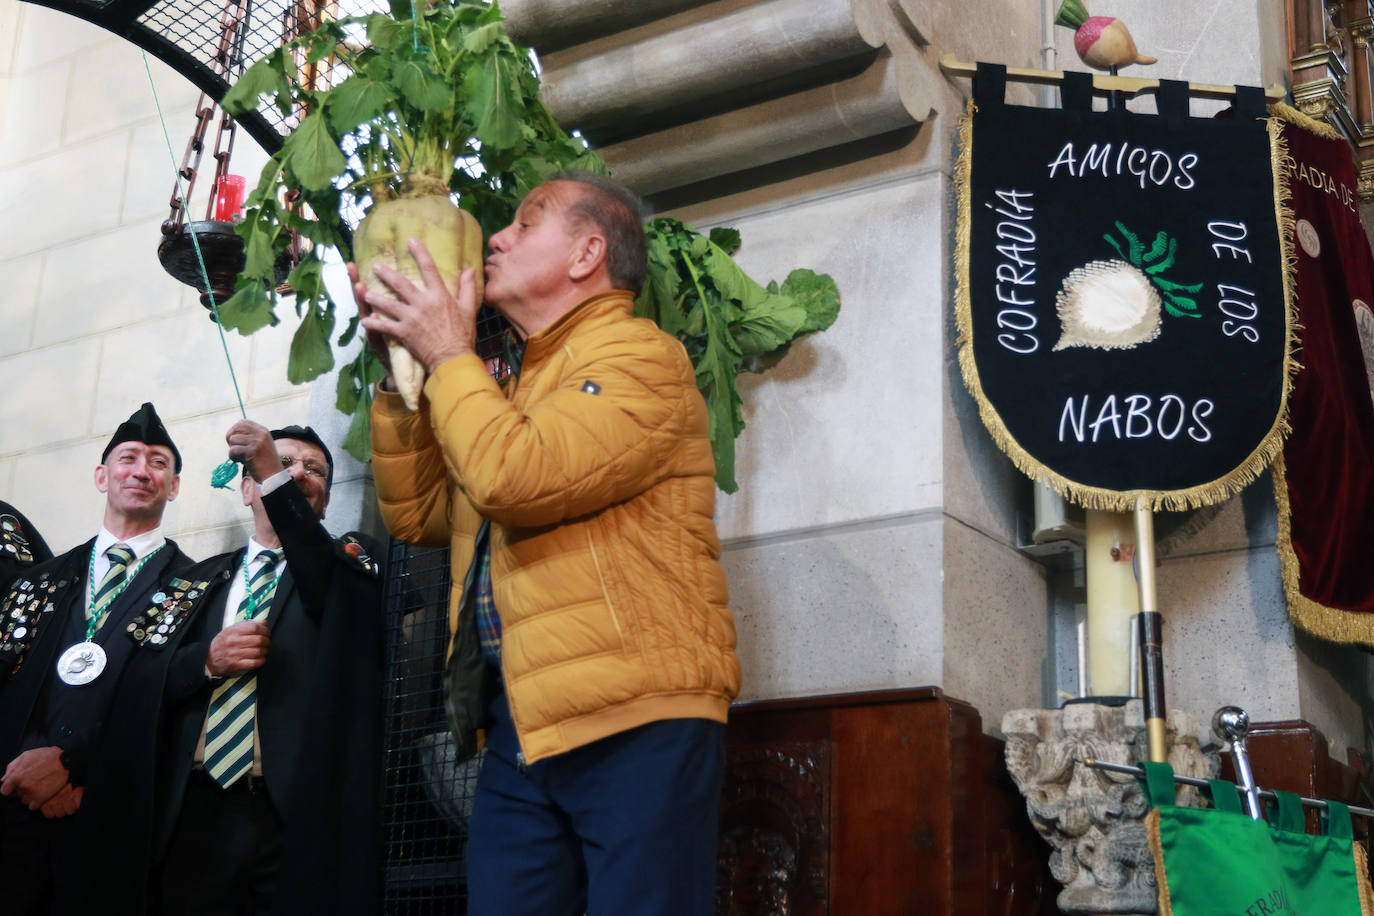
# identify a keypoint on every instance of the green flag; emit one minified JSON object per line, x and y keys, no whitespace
{"x":1220,"y":862}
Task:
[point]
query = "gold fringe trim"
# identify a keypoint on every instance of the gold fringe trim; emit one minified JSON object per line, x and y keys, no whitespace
{"x":1166,"y":906}
{"x":1288,"y":251}
{"x":1331,"y":623}
{"x":1091,"y":497}
{"x":1362,"y":879}
{"x":1311,"y":125}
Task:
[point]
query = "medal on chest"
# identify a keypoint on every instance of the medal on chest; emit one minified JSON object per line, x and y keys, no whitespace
{"x":28,"y":605}
{"x":12,"y":539}
{"x":171,"y":607}
{"x":81,"y":663}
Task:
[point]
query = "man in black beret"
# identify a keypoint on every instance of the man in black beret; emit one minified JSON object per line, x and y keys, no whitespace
{"x":63,"y":645}
{"x":21,"y":546}
{"x":264,"y":775}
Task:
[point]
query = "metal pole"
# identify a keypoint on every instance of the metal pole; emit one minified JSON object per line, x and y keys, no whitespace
{"x":1126,"y":770}
{"x":1231,"y":723}
{"x":1133,"y":678}
{"x":1152,"y":632}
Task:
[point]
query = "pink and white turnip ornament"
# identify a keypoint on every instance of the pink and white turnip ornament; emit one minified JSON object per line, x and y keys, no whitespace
{"x":1102,"y":42}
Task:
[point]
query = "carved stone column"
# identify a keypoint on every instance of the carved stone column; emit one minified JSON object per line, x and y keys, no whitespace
{"x":1093,"y":819}
{"x":1361,"y":31}
{"x":1362,"y":98}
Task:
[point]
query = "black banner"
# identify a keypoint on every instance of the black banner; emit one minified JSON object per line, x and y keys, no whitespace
{"x":1122,"y":308}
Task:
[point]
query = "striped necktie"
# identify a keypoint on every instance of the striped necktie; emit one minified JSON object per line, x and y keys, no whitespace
{"x":120,"y":556}
{"x":233,"y":705}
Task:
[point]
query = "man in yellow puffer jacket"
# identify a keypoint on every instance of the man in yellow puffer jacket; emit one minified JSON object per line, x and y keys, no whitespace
{"x":591,"y":636}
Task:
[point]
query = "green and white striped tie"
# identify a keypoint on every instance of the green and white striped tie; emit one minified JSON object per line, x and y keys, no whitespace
{"x":120,"y":556}
{"x":233,"y":705}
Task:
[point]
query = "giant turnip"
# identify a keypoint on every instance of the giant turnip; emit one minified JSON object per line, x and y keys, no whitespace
{"x":454,"y":241}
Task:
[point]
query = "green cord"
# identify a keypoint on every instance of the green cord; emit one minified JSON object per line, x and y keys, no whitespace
{"x":225,"y":472}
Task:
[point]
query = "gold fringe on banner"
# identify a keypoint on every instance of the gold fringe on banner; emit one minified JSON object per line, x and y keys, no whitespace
{"x":1311,"y":125}
{"x":1335,"y":624}
{"x":1270,"y":446}
{"x":1362,"y":880}
{"x":1166,"y":906}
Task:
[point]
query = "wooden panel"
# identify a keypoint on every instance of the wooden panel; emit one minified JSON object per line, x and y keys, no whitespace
{"x":889,"y":829}
{"x":775,"y":830}
{"x":890,"y":802}
{"x":1293,"y":755}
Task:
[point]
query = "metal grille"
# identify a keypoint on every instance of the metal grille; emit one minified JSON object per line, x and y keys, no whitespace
{"x":428,"y":793}
{"x":194,"y":27}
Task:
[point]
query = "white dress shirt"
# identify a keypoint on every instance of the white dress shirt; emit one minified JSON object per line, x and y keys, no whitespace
{"x":238,"y":587}
{"x":141,"y":544}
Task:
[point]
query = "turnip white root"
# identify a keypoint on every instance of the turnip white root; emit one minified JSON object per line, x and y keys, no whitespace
{"x":454,"y":241}
{"x":1116,"y":304}
{"x":1107,"y":304}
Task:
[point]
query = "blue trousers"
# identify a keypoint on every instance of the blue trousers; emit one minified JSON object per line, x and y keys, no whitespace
{"x":625,"y":826}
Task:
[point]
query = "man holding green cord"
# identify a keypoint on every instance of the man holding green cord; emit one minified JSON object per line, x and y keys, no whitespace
{"x":269,"y":767}
{"x":63,"y":645}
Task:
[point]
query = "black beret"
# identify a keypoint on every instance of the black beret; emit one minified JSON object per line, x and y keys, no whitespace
{"x":144,"y":426}
{"x":308,"y":434}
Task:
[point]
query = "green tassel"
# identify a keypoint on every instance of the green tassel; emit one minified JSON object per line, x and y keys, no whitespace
{"x":223,"y":474}
{"x":1072,"y":14}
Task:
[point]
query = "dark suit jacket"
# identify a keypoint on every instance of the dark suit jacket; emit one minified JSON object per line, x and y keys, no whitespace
{"x":319,"y":720}
{"x":29,"y":662}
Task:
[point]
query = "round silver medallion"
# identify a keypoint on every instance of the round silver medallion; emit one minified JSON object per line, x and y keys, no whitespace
{"x":81,"y":664}
{"x":1308,"y":238}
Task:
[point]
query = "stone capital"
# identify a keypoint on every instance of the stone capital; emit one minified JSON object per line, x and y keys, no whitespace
{"x":1093,"y":818}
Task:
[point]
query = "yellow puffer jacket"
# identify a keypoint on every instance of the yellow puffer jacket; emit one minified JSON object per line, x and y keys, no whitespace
{"x":597,"y":477}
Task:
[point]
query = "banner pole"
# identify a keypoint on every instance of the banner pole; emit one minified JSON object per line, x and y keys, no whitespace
{"x":1102,"y":83}
{"x":1152,"y":631}
{"x":1151,"y":628}
{"x":1268,"y":794}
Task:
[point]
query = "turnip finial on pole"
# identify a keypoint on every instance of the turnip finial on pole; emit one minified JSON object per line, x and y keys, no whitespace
{"x":1102,"y":42}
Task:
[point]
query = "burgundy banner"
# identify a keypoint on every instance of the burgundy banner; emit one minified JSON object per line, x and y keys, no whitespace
{"x":1325,"y":483}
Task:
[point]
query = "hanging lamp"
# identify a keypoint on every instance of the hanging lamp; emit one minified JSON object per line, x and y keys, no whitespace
{"x":193,"y":251}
